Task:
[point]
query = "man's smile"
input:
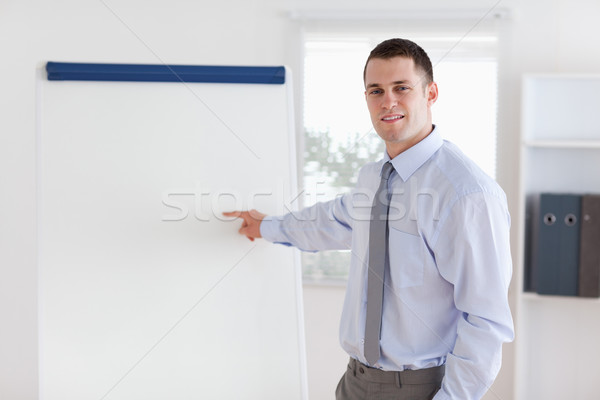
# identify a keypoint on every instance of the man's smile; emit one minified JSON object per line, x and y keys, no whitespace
{"x":392,"y":117}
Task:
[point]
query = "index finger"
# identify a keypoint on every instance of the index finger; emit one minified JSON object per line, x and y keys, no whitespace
{"x":236,"y":214}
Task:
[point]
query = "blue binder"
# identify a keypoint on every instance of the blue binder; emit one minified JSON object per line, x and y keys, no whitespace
{"x":558,"y":244}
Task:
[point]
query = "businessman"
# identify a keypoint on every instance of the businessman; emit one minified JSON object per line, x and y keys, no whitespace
{"x":426,"y":310}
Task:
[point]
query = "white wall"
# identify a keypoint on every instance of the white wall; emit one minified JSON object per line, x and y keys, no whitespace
{"x":542,"y":36}
{"x":326,"y":361}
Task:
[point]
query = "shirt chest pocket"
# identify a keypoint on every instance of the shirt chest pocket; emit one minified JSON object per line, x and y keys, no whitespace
{"x":407,"y":259}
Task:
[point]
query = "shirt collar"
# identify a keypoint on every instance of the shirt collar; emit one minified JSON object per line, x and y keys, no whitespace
{"x":407,"y":162}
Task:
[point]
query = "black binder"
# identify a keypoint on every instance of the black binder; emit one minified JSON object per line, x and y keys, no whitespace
{"x":589,"y":251}
{"x":531,"y":238}
{"x":557,"y":255}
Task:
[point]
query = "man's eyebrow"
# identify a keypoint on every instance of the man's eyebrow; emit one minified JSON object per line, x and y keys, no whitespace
{"x":405,"y":82}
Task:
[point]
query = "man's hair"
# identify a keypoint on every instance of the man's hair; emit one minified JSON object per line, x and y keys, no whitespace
{"x":403,"y":48}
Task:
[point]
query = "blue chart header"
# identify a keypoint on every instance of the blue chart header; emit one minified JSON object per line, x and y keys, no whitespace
{"x":59,"y":71}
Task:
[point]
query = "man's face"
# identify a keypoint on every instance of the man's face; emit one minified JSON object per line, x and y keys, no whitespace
{"x":399,"y":102}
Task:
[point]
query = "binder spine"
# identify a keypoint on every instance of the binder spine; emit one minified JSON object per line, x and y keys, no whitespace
{"x":589,"y":254}
{"x":558,"y":244}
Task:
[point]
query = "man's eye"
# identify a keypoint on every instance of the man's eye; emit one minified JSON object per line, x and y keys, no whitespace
{"x":402,"y":88}
{"x":375,"y":91}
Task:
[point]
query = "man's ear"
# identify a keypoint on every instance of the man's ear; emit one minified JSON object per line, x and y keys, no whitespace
{"x":432,"y":93}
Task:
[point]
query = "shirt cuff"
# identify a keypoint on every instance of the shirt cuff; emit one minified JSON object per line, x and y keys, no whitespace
{"x":440,"y":395}
{"x":269,"y":228}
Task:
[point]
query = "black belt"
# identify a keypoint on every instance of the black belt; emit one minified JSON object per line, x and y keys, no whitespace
{"x":406,"y":377}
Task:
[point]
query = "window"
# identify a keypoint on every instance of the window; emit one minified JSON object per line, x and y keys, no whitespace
{"x":338,"y":134}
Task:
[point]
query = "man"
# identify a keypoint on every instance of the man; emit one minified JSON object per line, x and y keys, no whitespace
{"x":444,"y":313}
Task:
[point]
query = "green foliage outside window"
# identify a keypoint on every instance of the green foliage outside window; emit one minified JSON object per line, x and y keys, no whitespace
{"x":340,"y":163}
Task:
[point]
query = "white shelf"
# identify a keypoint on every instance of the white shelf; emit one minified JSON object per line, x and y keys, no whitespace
{"x":531,"y":296}
{"x":563,"y":144}
{"x":559,"y":153}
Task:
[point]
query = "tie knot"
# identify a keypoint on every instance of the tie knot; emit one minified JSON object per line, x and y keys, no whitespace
{"x":387,"y":170}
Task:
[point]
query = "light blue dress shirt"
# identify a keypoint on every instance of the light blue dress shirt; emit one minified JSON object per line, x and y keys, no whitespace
{"x":445,"y":293}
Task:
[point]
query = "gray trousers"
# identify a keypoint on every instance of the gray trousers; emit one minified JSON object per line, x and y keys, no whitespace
{"x":364,"y":383}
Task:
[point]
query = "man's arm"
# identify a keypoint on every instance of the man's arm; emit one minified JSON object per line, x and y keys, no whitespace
{"x":324,"y":226}
{"x":473,"y":253}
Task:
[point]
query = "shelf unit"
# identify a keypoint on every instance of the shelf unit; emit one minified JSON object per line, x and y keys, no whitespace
{"x":562,"y":144}
{"x":557,"y":341}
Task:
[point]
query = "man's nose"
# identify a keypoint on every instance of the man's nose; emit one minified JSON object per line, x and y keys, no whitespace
{"x":389,"y":101}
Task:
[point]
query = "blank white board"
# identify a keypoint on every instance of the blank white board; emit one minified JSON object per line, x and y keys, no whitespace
{"x":146,"y":292}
